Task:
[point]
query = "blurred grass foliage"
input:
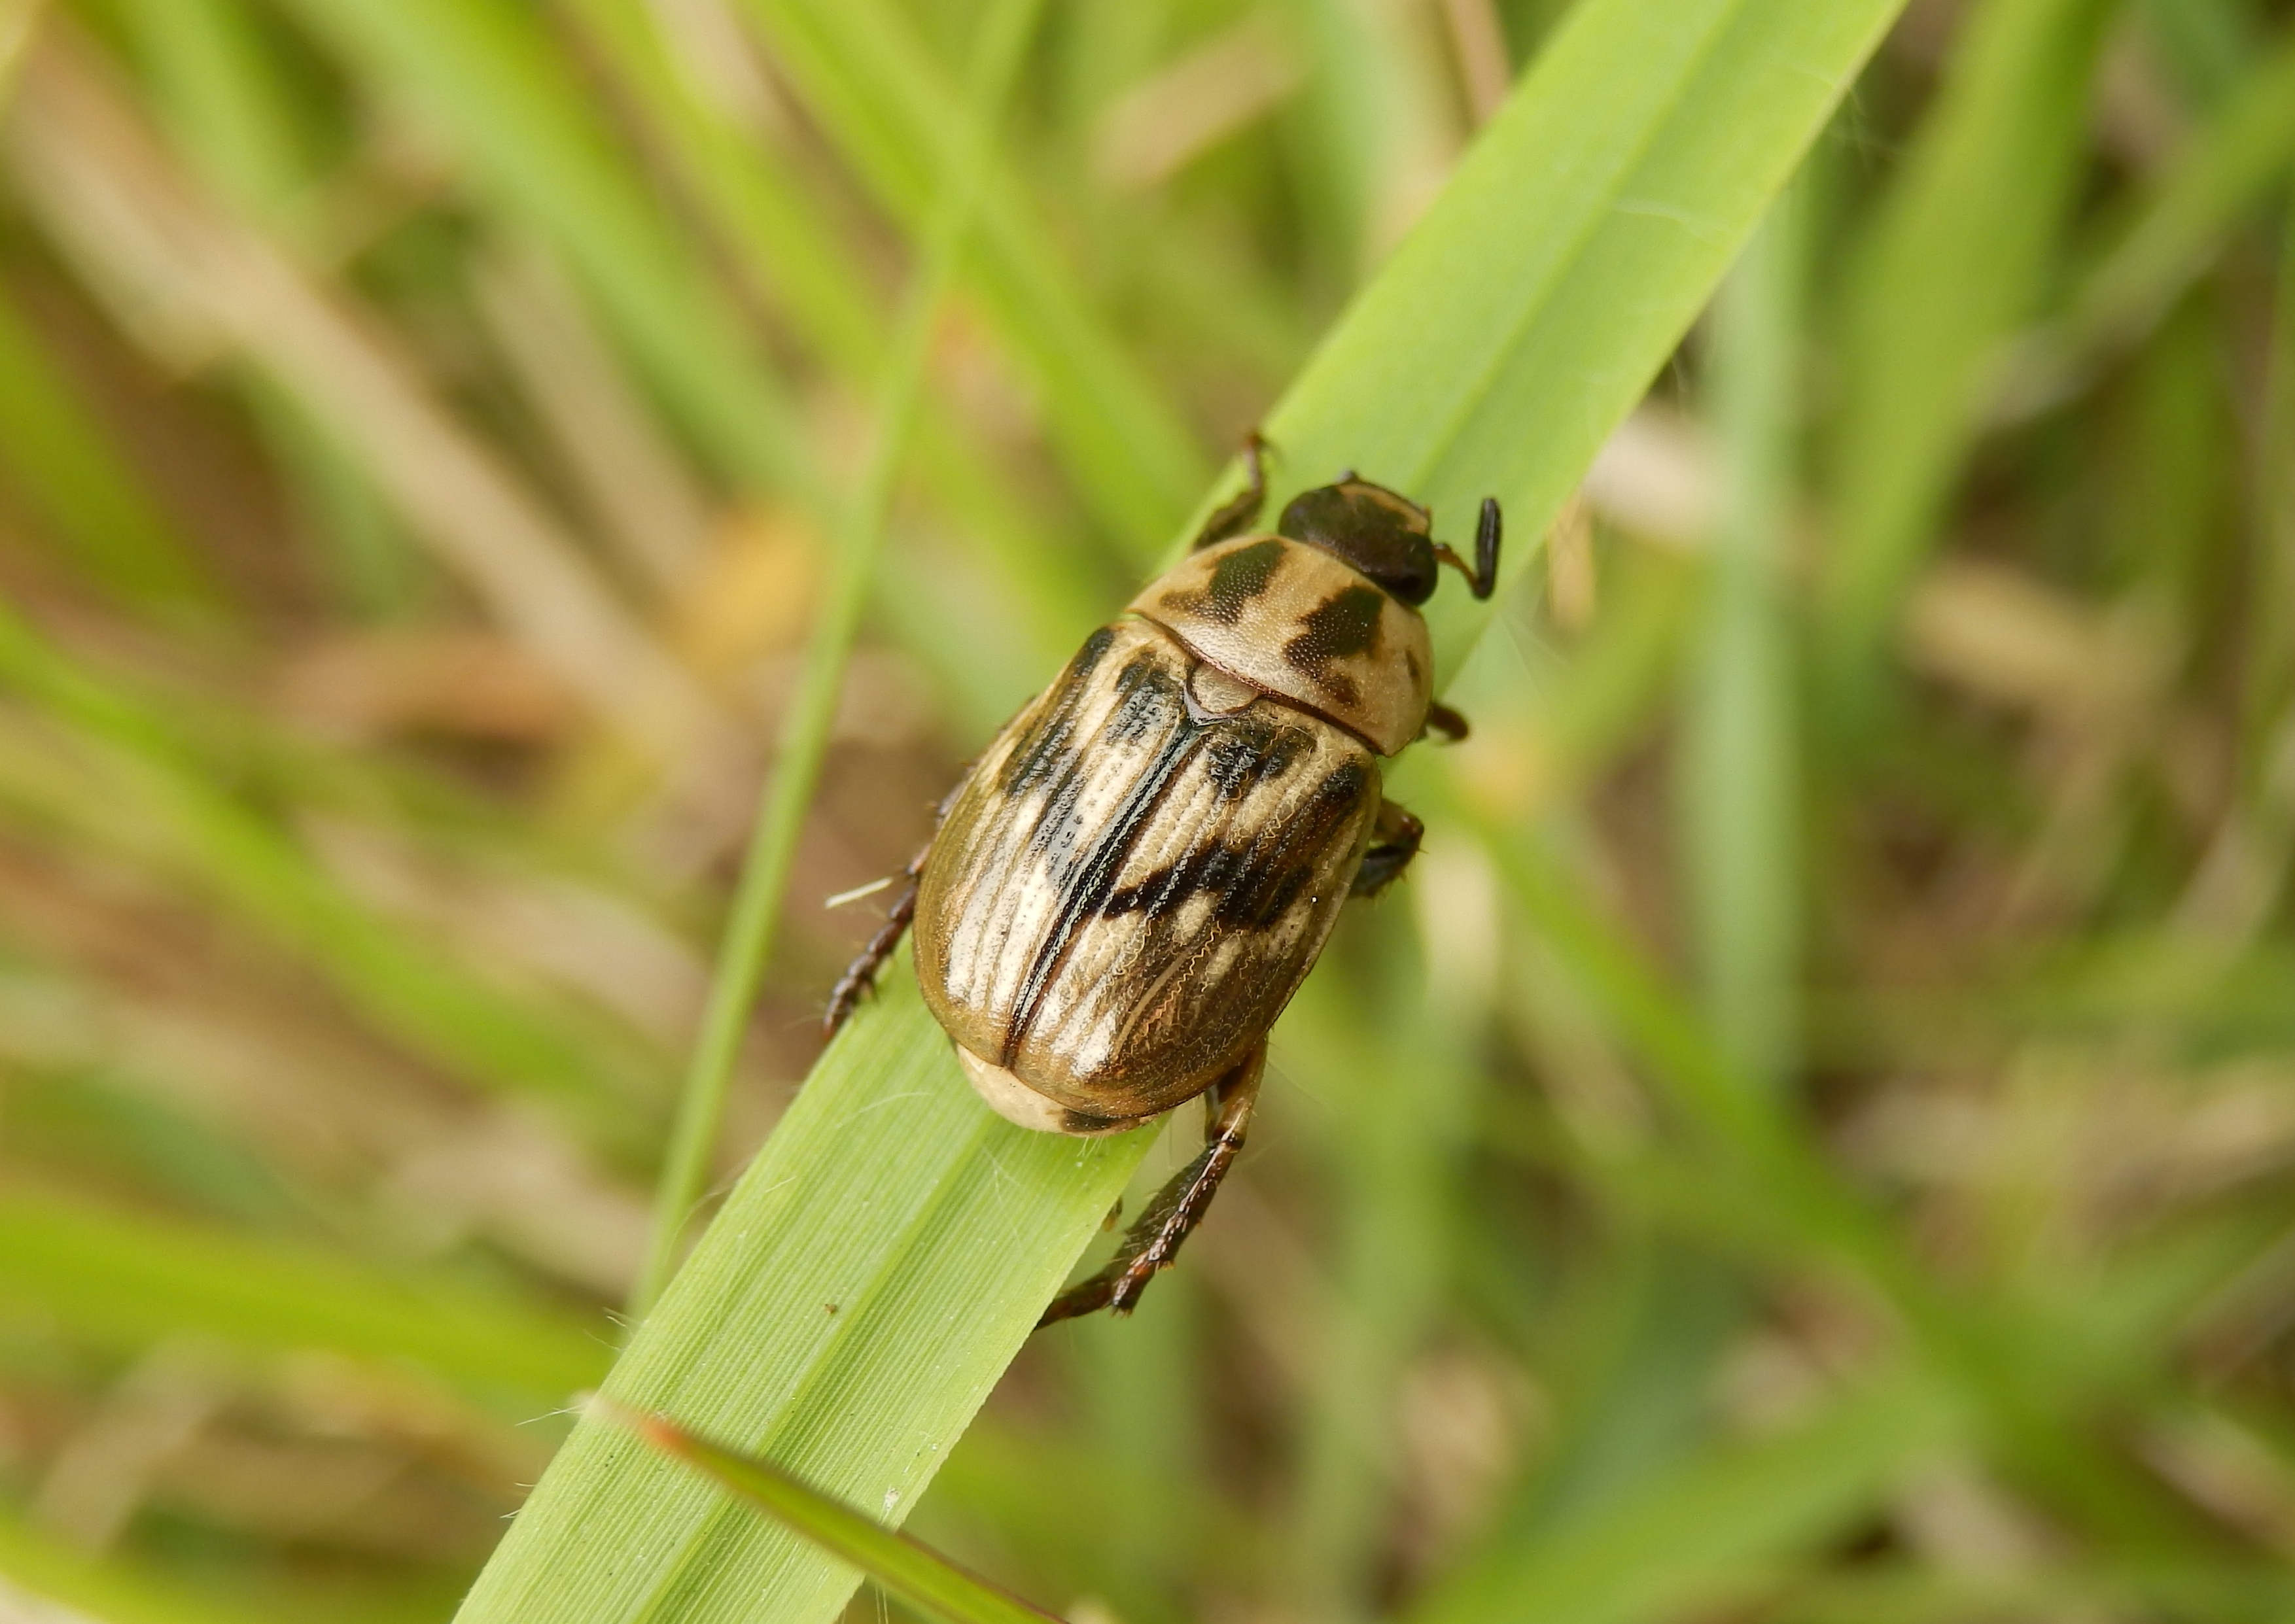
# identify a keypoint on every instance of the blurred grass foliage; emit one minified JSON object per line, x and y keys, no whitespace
{"x":1811,"y":1139}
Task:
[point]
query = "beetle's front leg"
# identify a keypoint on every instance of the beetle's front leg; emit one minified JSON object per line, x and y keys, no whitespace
{"x":1238,"y":515}
{"x":1393,"y":842}
{"x":1150,"y":1245}
{"x":860,"y":977}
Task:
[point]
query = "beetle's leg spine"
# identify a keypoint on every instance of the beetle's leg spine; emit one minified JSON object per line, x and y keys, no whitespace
{"x":1238,"y":516}
{"x":1392,"y":846}
{"x":1152,"y":1243}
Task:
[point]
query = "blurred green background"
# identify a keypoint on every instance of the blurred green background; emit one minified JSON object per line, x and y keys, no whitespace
{"x":420,"y":426}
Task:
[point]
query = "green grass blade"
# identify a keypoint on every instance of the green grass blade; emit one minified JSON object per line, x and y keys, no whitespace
{"x":788,"y":242}
{"x":748,"y":941}
{"x":843,"y":1316}
{"x":488,"y":76}
{"x":1954,"y":261}
{"x":223,"y":848}
{"x":56,"y":455}
{"x":2181,"y":219}
{"x":121,"y":1276}
{"x":1736,"y":789}
{"x":220,"y":99}
{"x":909,"y":1569}
{"x":877,"y":1267}
{"x":1667,"y":139}
{"x":97,"y":1590}
{"x":881,"y":97}
{"x":1397,"y":1171}
{"x":1689,"y":1541}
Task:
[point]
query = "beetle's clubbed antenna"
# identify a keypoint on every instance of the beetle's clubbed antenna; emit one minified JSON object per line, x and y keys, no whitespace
{"x":1483,"y":576}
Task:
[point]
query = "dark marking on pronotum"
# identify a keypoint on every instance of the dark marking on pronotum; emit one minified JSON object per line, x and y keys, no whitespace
{"x":1343,"y":626}
{"x":1237,"y":578}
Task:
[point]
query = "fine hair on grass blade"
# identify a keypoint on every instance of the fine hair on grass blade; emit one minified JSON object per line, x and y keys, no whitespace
{"x":877,"y":1268}
{"x":749,"y":940}
{"x":907,"y":1567}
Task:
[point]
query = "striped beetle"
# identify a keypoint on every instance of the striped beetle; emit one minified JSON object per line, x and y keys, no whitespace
{"x":1131,"y":881}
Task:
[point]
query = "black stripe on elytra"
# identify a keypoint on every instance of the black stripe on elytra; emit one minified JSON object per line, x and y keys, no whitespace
{"x":1145,"y":694}
{"x":1047,"y":743}
{"x":1343,"y":626}
{"x":1255,"y":884}
{"x":1236,"y":579}
{"x":1244,"y":753}
{"x":1085,"y":873}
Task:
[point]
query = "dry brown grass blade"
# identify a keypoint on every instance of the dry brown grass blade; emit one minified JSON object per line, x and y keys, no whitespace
{"x":193,"y":282}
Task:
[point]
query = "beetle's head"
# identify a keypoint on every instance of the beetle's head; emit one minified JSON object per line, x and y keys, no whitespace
{"x":1384,"y":536}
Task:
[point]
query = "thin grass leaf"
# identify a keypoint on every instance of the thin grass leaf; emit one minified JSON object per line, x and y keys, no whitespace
{"x":1737,"y":791}
{"x":191,"y":829}
{"x":1694,"y":1539}
{"x":749,"y":932}
{"x":877,"y":1267}
{"x":1953,"y":262}
{"x":57,"y":458}
{"x":1397,"y":1170}
{"x":39,"y":1577}
{"x":878,"y":93}
{"x":1997,"y":1355}
{"x":908,"y":1568}
{"x":222,"y":99}
{"x":491,"y":77}
{"x":198,"y":282}
{"x":787,"y":242}
{"x":2175,"y":226}
{"x":123,"y":1278}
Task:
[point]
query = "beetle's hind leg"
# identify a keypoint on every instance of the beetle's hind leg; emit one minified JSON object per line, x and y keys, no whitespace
{"x":1241,"y":513}
{"x":1393,"y":844}
{"x":1150,"y":1245}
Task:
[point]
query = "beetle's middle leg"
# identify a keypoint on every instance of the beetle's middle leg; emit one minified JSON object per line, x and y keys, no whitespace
{"x":1241,"y":513}
{"x":1393,"y":842}
{"x":1150,"y":1245}
{"x":860,"y":977}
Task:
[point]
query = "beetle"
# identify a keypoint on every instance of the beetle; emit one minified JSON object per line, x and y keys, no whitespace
{"x":1125,"y":889}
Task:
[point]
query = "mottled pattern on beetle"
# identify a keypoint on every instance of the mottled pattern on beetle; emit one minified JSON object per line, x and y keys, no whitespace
{"x":1293,"y":621}
{"x":1123,"y":897}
